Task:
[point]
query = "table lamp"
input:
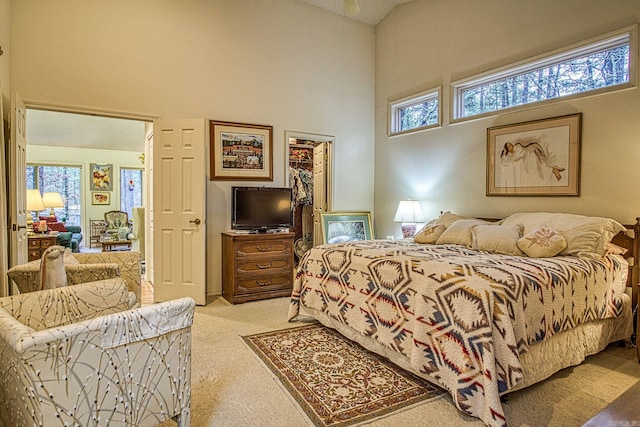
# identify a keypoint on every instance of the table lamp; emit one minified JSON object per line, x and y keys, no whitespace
{"x":409,"y":213}
{"x":52,"y":200}
{"x":34,"y":203}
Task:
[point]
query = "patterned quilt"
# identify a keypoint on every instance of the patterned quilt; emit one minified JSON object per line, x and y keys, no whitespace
{"x":461,"y":317}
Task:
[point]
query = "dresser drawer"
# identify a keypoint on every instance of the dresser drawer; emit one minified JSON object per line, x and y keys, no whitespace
{"x":34,"y":243}
{"x":264,"y":265}
{"x":262,"y":248}
{"x":264,"y":283}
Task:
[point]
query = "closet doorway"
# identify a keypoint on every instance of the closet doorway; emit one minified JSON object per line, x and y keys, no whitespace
{"x":310,"y":160}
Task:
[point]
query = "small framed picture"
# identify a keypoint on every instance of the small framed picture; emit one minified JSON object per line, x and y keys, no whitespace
{"x":346,"y":226}
{"x":100,"y":198}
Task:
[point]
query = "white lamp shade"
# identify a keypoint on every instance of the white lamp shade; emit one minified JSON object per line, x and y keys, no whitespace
{"x":52,"y":200}
{"x":409,"y":211}
{"x":34,"y":200}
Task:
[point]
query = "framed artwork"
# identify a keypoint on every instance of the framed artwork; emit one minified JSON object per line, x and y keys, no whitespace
{"x":346,"y":226}
{"x":240,"y":151}
{"x":538,"y":158}
{"x":101,"y":177}
{"x":100,"y":198}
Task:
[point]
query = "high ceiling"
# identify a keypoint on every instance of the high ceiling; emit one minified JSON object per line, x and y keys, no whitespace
{"x":88,"y":131}
{"x":368,"y":11}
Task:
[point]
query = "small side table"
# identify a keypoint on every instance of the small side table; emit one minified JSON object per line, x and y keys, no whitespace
{"x":112,"y":245}
{"x":38,"y":243}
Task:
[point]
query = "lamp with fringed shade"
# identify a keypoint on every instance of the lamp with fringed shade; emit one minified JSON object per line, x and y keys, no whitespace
{"x":409,"y":213}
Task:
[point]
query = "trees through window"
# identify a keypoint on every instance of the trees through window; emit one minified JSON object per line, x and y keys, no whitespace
{"x":594,"y":66}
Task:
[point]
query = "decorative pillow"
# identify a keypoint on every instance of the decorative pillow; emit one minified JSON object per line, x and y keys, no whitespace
{"x":69,"y":258}
{"x":499,"y":239}
{"x":429,"y":233}
{"x":52,"y":274}
{"x":583,"y":234}
{"x":542,"y":243}
{"x":447,"y":218}
{"x":459,"y":233}
{"x":56,"y":226}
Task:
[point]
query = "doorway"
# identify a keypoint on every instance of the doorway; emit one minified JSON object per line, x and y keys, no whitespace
{"x":309,"y":160}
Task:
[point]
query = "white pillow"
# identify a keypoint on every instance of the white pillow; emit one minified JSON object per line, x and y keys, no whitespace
{"x":499,"y":239}
{"x":447,"y":218}
{"x":542,"y":243}
{"x":52,"y":273}
{"x":584,"y":234}
{"x":459,"y":233}
{"x":429,"y":233}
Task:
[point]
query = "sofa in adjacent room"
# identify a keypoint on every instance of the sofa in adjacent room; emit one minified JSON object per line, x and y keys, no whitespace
{"x":69,"y":236}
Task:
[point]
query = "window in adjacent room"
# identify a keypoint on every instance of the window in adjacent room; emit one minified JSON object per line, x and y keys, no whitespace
{"x":599,"y":65}
{"x":130,"y":189}
{"x":60,"y":179}
{"x":415,"y":112}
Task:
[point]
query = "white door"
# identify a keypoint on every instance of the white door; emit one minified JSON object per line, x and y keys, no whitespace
{"x":179,"y":209}
{"x":17,"y":182}
{"x":4,"y":239}
{"x":321,"y":187}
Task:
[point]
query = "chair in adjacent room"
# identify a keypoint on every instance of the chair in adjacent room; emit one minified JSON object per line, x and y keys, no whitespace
{"x":117,"y":225}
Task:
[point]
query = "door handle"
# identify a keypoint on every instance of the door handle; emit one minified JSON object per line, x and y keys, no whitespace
{"x":195,"y":221}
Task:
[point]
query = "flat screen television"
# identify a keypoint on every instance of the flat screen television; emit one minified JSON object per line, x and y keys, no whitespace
{"x":259,"y":209}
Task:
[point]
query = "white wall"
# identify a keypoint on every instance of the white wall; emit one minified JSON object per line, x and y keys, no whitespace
{"x":83,"y":157}
{"x":283,"y":63}
{"x":433,"y":42}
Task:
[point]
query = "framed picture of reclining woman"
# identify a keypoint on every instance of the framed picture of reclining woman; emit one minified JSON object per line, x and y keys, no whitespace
{"x":537,"y":158}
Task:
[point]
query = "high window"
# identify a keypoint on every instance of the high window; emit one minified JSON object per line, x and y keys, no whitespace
{"x":130,"y":189}
{"x":64,"y":180}
{"x":414,"y":113}
{"x":593,"y":67}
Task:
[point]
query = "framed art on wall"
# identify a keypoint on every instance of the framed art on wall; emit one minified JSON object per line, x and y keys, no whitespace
{"x":346,"y":226}
{"x":100,"y":198}
{"x":101,"y":177}
{"x":240,"y":151}
{"x":537,"y":158}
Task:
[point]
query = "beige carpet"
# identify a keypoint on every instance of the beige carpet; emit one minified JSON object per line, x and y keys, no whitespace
{"x":231,"y":388}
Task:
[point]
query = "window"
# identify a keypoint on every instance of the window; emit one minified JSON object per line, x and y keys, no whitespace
{"x":414,"y":113}
{"x":61,"y":179}
{"x":604,"y":64}
{"x":130,"y":190}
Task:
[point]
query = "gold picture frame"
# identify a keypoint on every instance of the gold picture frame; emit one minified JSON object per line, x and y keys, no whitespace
{"x":240,"y":151}
{"x":536,"y":158}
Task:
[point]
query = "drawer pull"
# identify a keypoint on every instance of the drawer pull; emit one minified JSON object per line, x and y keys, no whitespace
{"x":263,"y":266}
{"x":268,"y":282}
{"x":261,"y":249}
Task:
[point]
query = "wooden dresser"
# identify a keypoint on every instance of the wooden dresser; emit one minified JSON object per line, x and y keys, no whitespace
{"x":256,"y":266}
{"x":39,"y":243}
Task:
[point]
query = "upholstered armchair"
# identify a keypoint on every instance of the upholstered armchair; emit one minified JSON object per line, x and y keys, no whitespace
{"x":85,"y":267}
{"x":78,"y":355}
{"x":117,"y":225}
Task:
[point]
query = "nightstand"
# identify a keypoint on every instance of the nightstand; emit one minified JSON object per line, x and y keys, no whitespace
{"x":38,"y":243}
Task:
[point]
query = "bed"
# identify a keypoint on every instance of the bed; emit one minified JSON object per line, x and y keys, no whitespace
{"x":480,"y":307}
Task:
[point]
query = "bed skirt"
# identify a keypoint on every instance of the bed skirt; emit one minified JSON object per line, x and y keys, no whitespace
{"x":543,"y":359}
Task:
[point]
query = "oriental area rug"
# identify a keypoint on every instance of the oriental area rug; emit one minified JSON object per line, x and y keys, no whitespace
{"x":336,"y":382}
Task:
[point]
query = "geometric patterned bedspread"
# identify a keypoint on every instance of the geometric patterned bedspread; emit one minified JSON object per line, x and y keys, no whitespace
{"x":461,"y":317}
